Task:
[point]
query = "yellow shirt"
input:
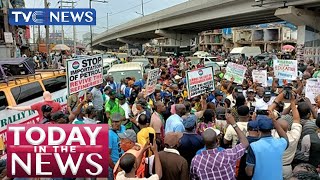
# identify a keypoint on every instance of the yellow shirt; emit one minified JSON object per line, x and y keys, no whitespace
{"x":143,"y":135}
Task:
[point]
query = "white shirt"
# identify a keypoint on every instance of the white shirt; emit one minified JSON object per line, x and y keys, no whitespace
{"x":262,"y":105}
{"x":231,"y":134}
{"x":293,"y":137}
{"x":126,"y":109}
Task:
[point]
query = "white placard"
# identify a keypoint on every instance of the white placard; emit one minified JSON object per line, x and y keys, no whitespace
{"x":285,"y":69}
{"x":152,"y":81}
{"x":260,"y":76}
{"x":312,"y":89}
{"x":200,"y":81}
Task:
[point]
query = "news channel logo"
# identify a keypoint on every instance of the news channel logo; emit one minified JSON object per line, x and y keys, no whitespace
{"x":54,"y":16}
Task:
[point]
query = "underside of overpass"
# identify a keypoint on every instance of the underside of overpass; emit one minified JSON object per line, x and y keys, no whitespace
{"x":197,"y":25}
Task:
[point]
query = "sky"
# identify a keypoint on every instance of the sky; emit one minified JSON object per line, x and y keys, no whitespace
{"x":120,"y":11}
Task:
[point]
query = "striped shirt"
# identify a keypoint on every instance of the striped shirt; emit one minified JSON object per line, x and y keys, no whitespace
{"x":216,"y":165}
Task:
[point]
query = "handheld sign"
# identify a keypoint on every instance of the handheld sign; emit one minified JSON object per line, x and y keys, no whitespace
{"x":312,"y":89}
{"x":260,"y":76}
{"x":84,"y":73}
{"x":199,"y":81}
{"x":285,"y":69}
{"x":152,"y":81}
{"x":236,"y":71}
{"x":57,"y":150}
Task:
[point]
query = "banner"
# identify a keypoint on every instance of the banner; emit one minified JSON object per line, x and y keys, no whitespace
{"x":200,"y":81}
{"x":57,"y":150}
{"x":236,"y":71}
{"x":260,"y":76}
{"x":152,"y":81}
{"x":312,"y":89}
{"x":84,"y":73}
{"x":285,"y":69}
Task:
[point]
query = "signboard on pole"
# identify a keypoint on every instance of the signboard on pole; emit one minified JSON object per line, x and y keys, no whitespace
{"x":312,"y":89}
{"x":285,"y":69}
{"x":84,"y":73}
{"x":260,"y":76}
{"x":8,"y":37}
{"x":236,"y":71}
{"x":152,"y":81}
{"x":200,"y":81}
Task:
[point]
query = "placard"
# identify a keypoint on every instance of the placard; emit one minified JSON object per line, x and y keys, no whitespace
{"x":312,"y":89}
{"x":236,"y":71}
{"x":285,"y":69}
{"x":57,"y":150}
{"x":260,"y":76}
{"x":200,"y":81}
{"x":84,"y":73}
{"x":152,"y":81}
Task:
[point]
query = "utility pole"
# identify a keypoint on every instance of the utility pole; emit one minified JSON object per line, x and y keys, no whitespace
{"x":90,"y":6}
{"x":34,"y":34}
{"x":39,"y":37}
{"x":74,"y":27}
{"x":54,"y":35}
{"x":46,"y":5}
{"x":74,"y":36}
{"x":62,"y":30}
{"x":142,"y":9}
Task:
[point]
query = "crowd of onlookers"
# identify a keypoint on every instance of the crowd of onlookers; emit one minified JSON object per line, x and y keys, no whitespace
{"x":238,"y":131}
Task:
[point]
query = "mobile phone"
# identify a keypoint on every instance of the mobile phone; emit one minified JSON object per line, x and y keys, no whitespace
{"x":262,"y":112}
{"x":287,"y":92}
{"x":151,"y":138}
{"x":252,"y":109}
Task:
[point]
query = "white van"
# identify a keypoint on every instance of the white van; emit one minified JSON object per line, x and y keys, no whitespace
{"x":108,"y":63}
{"x":130,"y":69}
{"x":243,"y":52}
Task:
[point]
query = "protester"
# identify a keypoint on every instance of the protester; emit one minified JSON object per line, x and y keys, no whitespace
{"x":174,"y":122}
{"x":174,"y":166}
{"x":214,"y":164}
{"x":129,"y":165}
{"x":47,"y":97}
{"x":114,"y":141}
{"x":264,"y":157}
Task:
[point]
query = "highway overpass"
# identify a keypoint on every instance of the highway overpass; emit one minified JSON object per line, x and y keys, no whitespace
{"x":188,"y":19}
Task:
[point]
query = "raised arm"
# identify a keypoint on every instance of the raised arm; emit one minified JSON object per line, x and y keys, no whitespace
{"x":242,"y":137}
{"x":19,"y":108}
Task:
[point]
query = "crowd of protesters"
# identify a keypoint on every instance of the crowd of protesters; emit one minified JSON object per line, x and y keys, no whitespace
{"x":238,"y":131}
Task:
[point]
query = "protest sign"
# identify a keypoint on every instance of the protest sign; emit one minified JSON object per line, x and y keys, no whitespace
{"x":152,"y":81}
{"x":57,"y":150}
{"x":84,"y":73}
{"x":200,"y":81}
{"x":260,"y":76}
{"x":285,"y":69}
{"x":236,"y":71}
{"x":312,"y":89}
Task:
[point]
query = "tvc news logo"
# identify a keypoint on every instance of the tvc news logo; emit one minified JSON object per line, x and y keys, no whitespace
{"x":42,"y":16}
{"x":44,"y":150}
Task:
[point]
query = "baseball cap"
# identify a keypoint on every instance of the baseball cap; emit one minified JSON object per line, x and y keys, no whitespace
{"x":253,"y":126}
{"x":116,"y":117}
{"x":218,"y":93}
{"x":217,"y":131}
{"x":264,"y":122}
{"x":142,"y":102}
{"x":129,"y":134}
{"x":177,"y":77}
{"x":121,"y":97}
{"x":46,"y":108}
{"x":172,"y":138}
{"x":190,"y":122}
{"x":267,"y":94}
{"x":113,"y":93}
{"x":250,"y":90}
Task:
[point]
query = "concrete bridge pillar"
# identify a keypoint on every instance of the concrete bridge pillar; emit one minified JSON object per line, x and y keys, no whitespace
{"x":176,"y":39}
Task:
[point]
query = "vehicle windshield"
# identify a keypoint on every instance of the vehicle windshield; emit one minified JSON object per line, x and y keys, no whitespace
{"x":123,"y":74}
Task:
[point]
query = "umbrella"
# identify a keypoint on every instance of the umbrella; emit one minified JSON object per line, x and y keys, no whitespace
{"x":288,"y":47}
{"x":61,"y":47}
